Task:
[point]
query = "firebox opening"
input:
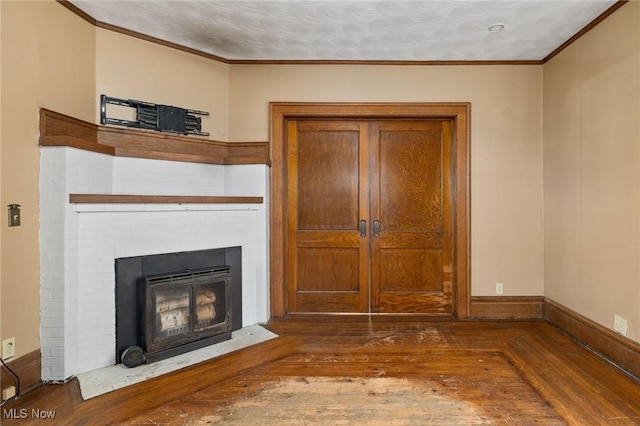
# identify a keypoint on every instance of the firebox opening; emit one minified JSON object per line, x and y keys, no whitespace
{"x":163,"y":312}
{"x":184,"y":307}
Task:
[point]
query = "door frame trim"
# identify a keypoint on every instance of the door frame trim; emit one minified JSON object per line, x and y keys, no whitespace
{"x":458,"y":112}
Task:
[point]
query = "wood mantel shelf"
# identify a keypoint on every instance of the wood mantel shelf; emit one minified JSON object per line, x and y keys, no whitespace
{"x":61,"y":130}
{"x":160,"y":199}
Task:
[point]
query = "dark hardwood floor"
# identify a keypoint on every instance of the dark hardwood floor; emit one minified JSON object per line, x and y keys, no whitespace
{"x":411,"y":372}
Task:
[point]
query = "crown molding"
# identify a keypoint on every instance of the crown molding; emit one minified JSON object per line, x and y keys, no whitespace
{"x":70,"y":6}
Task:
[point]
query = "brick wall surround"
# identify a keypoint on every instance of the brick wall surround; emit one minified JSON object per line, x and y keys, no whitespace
{"x":79,"y":242}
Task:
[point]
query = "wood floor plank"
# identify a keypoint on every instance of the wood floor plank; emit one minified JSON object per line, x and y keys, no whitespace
{"x":481,"y":372}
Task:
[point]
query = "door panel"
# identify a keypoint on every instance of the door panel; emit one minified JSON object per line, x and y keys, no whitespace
{"x":328,"y":270}
{"x":411,"y":257}
{"x":411,"y":270}
{"x":327,"y":173}
{"x":410,"y":176}
{"x":327,"y":257}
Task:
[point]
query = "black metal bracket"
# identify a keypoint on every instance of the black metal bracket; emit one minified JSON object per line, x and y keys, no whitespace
{"x":162,"y":118}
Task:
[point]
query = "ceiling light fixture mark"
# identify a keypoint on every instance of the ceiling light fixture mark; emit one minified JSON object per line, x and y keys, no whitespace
{"x":496,"y":28}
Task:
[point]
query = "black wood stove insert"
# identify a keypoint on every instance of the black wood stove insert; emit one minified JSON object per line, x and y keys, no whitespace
{"x":172,"y":303}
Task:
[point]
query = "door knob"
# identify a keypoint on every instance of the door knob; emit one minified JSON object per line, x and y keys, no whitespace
{"x":376,"y":228}
{"x":363,"y":228}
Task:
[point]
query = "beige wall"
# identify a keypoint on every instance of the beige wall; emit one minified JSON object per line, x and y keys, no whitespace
{"x":47,"y":61}
{"x":130,"y":68}
{"x":506,"y":144}
{"x":592,"y":172}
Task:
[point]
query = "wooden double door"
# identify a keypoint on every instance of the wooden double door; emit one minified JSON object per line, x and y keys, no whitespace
{"x":369,"y":216}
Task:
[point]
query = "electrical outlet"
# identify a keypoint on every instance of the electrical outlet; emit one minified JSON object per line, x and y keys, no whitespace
{"x":8,"y":393}
{"x":620,"y":325}
{"x":499,"y":288}
{"x":8,"y":348}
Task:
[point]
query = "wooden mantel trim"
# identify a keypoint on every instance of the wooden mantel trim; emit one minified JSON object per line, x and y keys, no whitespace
{"x":61,"y":130}
{"x":160,"y":199}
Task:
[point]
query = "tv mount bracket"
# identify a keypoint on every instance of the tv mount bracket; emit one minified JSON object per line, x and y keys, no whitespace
{"x":162,"y":118}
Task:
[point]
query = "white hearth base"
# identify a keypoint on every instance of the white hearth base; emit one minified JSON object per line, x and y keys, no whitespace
{"x":107,"y":379}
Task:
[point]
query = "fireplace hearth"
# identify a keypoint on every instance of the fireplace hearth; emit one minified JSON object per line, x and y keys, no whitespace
{"x":173,"y":303}
{"x":169,"y":206}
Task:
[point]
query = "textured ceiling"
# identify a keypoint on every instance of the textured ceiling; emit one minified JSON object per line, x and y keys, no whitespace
{"x":373,"y":30}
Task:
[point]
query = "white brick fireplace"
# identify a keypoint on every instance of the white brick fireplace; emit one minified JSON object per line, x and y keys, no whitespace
{"x":80,"y":242}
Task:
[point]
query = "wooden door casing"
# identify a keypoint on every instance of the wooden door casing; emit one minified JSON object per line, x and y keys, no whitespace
{"x":281,"y":113}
